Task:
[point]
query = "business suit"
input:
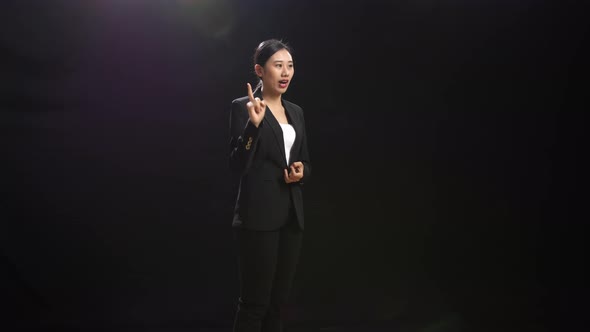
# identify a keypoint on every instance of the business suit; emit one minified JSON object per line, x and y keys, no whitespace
{"x":257,"y":155}
{"x":268,"y":215}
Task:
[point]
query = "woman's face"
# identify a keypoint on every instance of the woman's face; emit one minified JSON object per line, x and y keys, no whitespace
{"x":277,"y":72}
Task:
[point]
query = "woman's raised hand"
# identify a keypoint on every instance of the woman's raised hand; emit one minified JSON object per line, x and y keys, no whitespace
{"x":256,"y":108}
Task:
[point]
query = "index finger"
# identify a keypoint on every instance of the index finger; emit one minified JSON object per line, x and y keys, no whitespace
{"x":250,"y":94}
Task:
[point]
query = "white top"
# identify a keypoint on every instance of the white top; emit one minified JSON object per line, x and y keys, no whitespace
{"x":289,"y":138}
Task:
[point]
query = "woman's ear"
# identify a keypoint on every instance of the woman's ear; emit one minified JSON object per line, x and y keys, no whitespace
{"x":258,"y":70}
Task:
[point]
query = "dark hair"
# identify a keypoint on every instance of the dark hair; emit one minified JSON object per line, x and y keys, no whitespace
{"x":265,"y":50}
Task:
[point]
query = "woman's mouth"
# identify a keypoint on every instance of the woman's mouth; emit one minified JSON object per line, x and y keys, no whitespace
{"x":283,"y":83}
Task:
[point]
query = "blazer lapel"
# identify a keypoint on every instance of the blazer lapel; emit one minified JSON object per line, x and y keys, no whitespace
{"x":297,"y":125}
{"x":278,"y":131}
{"x":273,"y":123}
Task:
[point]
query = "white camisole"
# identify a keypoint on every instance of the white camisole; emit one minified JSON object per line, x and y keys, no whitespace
{"x":289,"y":138}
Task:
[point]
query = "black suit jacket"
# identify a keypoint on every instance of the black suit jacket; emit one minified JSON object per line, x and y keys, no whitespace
{"x":257,"y":160}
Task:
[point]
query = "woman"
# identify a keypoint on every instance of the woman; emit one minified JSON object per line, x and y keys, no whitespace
{"x":269,"y":156}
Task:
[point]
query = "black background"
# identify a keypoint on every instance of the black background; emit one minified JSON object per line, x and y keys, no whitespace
{"x":446,"y":140}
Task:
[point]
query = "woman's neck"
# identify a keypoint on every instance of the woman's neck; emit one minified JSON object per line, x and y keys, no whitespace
{"x":271,"y":98}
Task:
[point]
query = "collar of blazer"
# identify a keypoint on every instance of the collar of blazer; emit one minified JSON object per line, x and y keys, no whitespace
{"x":273,"y":123}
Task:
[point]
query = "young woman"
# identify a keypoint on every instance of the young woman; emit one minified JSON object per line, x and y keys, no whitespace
{"x":270,"y":160}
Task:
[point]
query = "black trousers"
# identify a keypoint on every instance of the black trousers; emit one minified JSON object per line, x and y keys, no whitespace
{"x":267,"y":261}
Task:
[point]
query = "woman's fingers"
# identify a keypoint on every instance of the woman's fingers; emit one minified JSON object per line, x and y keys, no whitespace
{"x":262,"y":105}
{"x":289,"y":177}
{"x":255,"y":103}
{"x":250,"y":94}
{"x":298,"y":166}
{"x":294,"y":176}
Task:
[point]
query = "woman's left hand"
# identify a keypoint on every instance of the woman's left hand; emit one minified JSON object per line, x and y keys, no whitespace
{"x":296,"y":172}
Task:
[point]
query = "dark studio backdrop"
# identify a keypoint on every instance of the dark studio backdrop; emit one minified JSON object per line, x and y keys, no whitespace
{"x":445,"y":136}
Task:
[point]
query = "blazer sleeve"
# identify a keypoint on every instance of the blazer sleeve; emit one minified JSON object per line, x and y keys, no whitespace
{"x":243,"y":138}
{"x":304,"y":156}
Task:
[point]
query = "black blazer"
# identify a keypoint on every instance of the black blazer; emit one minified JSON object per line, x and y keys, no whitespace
{"x":257,"y":160}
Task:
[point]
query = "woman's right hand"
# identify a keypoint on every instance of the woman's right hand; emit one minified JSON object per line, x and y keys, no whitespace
{"x":256,"y":108}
